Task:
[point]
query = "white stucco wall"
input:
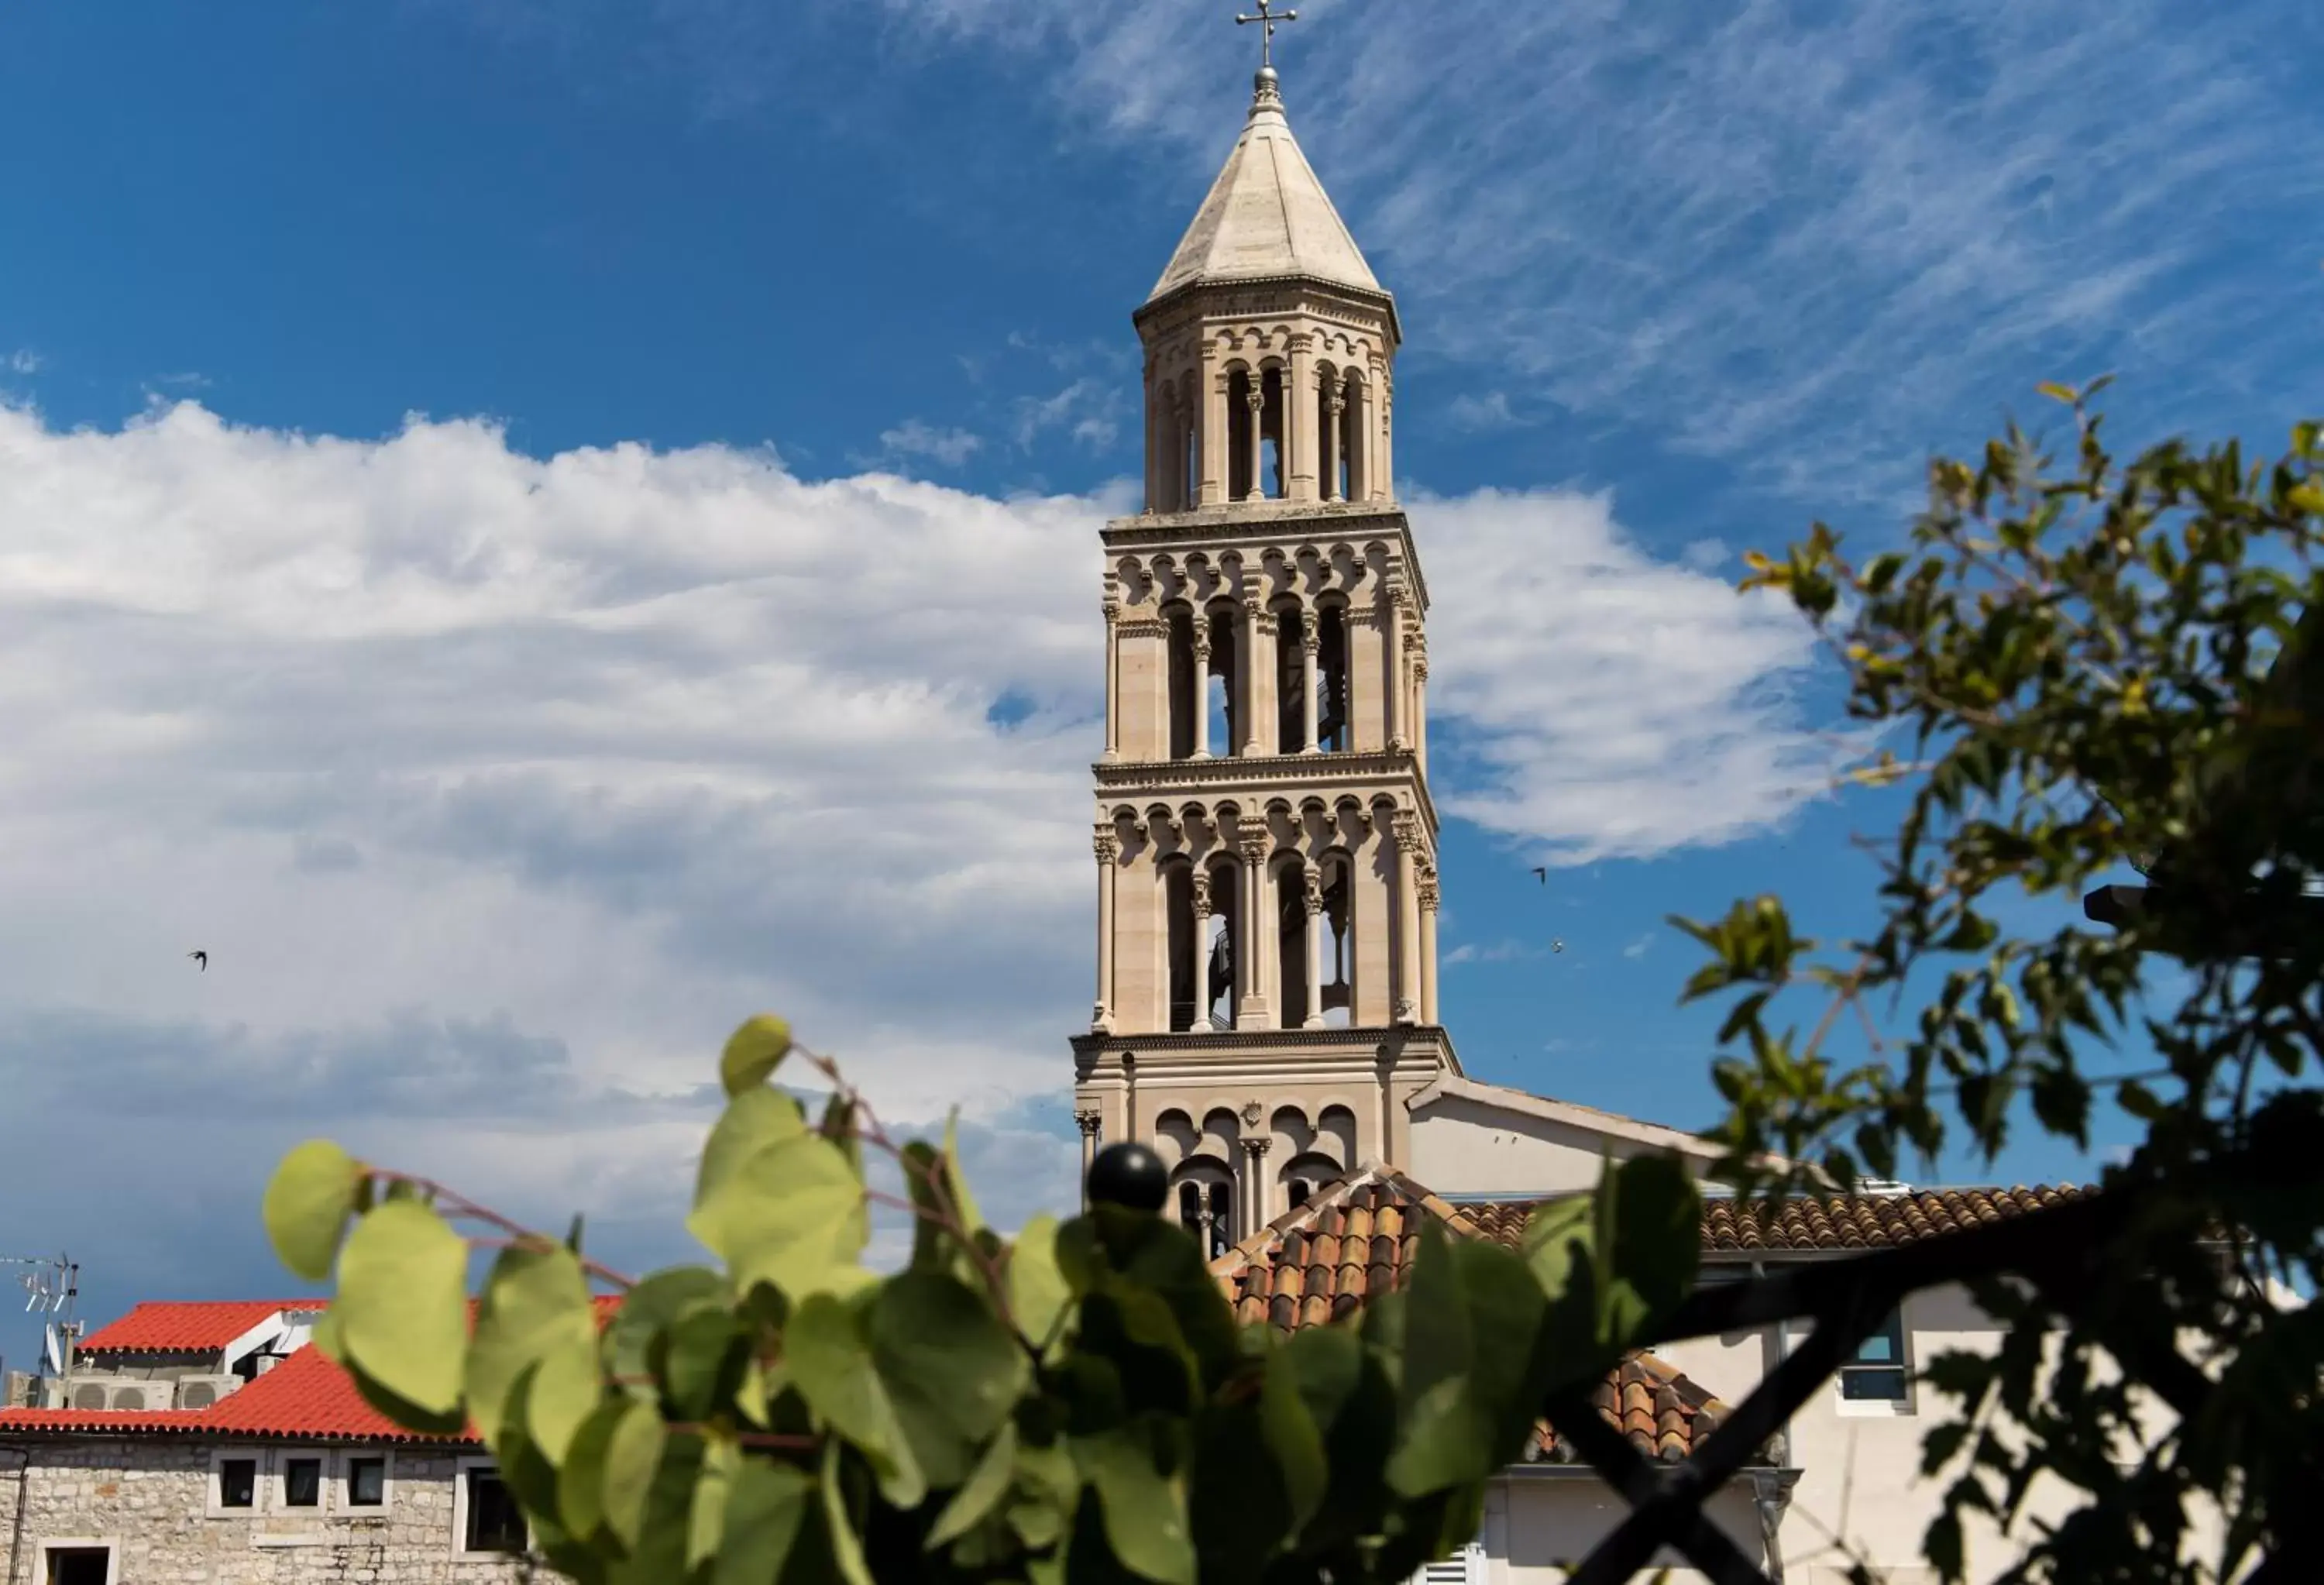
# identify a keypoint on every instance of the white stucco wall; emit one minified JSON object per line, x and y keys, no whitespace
{"x":1540,"y":1523}
{"x":1467,"y":1144}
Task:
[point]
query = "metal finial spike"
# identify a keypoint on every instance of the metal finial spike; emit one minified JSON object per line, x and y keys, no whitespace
{"x":1268,"y":21}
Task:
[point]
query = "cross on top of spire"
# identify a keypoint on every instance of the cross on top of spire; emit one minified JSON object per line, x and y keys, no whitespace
{"x":1267,"y":22}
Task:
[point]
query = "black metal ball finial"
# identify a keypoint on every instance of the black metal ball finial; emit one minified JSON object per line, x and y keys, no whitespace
{"x":1130,"y":1175}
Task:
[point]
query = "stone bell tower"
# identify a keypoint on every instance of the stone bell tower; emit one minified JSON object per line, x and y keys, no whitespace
{"x":1265,"y":841}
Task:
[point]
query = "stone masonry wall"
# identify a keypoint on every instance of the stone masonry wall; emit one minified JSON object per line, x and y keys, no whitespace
{"x":152,"y":1497}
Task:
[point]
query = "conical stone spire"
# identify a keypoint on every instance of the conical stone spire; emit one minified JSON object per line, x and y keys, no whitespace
{"x":1267,"y":215}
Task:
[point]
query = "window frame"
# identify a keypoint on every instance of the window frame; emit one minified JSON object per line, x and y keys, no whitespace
{"x":279,"y":1481}
{"x":214,"y":1505}
{"x":343,"y":1478}
{"x":49,"y":1544}
{"x":461,"y":1552}
{"x":1893,"y":1325}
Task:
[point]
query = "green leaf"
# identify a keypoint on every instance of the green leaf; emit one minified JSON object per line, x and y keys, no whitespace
{"x":633,"y":1449}
{"x":755,"y":1120}
{"x":1560,"y":1235}
{"x":1292,"y":1436}
{"x":705,"y":1515}
{"x":791,"y":1216}
{"x":956,"y":1181}
{"x":951,"y":1370}
{"x":535,"y":1307}
{"x":1038,"y":1293}
{"x":753,"y":1053}
{"x":308,"y":1203}
{"x":650,"y":1309}
{"x":830,"y":1364}
{"x":1145,"y":1510}
{"x":767,"y":1504}
{"x":581,"y":1479}
{"x":703,"y":1358}
{"x":982,"y":1493}
{"x":1650,"y":1241}
{"x":403,"y":1303}
{"x":658,"y":1554}
{"x":846,"y":1547}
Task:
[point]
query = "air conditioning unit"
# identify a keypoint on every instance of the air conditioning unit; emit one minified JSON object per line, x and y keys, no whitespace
{"x":81,"y":1392}
{"x":19,"y":1389}
{"x":199,"y":1392}
{"x":142,"y":1394}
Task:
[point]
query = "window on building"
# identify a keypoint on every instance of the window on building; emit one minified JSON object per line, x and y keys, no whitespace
{"x":367,"y":1482}
{"x":1876,"y":1373}
{"x":493,"y":1521}
{"x":79,"y":1565}
{"x":237,"y":1481}
{"x":302,"y":1482}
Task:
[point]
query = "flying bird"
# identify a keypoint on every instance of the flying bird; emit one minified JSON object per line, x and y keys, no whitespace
{"x":1542,"y":874}
{"x":1557,"y":946}
{"x":201,"y":961}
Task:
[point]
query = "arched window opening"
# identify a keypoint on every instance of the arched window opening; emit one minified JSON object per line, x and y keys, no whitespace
{"x":1182,"y":685}
{"x":1217,"y":987}
{"x":1338,"y":943}
{"x":1300,"y":1191}
{"x":1290,"y":679}
{"x":1271,"y":435}
{"x":1291,"y":944}
{"x":1242,"y":436}
{"x":1332,"y":703}
{"x":1178,"y":907}
{"x":1352,"y":462}
{"x":1221,"y":1208}
{"x":1220,"y":694}
{"x":1189,"y":449}
{"x":1205,"y":1209}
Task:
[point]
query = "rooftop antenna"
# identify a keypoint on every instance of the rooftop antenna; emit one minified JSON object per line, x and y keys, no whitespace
{"x":51,"y":1285}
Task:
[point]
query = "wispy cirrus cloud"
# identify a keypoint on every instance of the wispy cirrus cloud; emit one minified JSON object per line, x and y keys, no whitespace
{"x":916,"y":438}
{"x":1811,"y":245}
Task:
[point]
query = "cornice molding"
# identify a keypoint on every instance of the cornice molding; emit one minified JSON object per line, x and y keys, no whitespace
{"x":1269,"y":525}
{"x":1279,"y":294}
{"x":1289,"y":775}
{"x":1398,"y":1041}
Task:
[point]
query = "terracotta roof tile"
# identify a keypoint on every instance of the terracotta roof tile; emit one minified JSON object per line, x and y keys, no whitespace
{"x":182,"y":1327}
{"x":1373,"y":1218}
{"x":1857,"y":1221}
{"x":307,"y":1396}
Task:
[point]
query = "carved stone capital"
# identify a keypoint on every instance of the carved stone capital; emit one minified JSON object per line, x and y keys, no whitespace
{"x":1111,"y":607}
{"x":1203,"y":643}
{"x":1311,"y":640}
{"x":1255,"y":840}
{"x":1427,"y":888}
{"x":1255,"y":399}
{"x":1312,"y":889}
{"x":1404,"y":829}
{"x":1106,"y":841}
{"x":1255,"y":1148}
{"x":1089,"y":1122}
{"x":1201,"y":895}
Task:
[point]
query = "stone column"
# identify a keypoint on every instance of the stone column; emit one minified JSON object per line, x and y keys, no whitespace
{"x":1200,"y":889}
{"x":1392,"y":727}
{"x":1212,"y":384}
{"x":1107,"y":843}
{"x":1090,"y":1123}
{"x":1254,"y":842}
{"x":1406,"y":834}
{"x":1310,"y":642}
{"x":1255,"y":1198}
{"x":1254,"y":671}
{"x":1202,"y":685}
{"x":1299,"y":419}
{"x":1383,"y":479}
{"x":1312,"y":896}
{"x":1334,"y":404}
{"x":1428,"y":899}
{"x":1113,"y":609}
{"x":1255,"y":404}
{"x":1420,"y":699}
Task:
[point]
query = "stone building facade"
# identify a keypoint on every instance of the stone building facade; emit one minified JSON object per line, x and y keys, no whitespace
{"x":286,"y":1476}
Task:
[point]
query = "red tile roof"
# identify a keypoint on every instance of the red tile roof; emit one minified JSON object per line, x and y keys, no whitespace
{"x":1358,"y":1237}
{"x":1853,"y":1222}
{"x":187,"y":1326}
{"x":307,"y":1395}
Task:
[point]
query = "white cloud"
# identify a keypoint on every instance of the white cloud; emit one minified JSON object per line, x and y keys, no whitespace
{"x":23,"y":361}
{"x":1812,"y":243}
{"x":1637,"y":949}
{"x":1089,"y":410}
{"x":913,"y":437}
{"x":498,"y":789}
{"x":1490,"y":411}
{"x":1615,"y":706}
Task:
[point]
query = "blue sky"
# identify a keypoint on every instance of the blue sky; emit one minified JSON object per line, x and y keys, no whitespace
{"x":515,"y":520}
